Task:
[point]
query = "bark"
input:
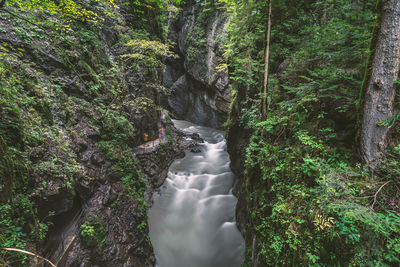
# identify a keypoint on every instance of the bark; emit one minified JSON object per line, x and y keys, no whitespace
{"x":266,"y":64}
{"x":379,"y":91}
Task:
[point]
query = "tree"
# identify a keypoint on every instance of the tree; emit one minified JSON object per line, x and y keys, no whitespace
{"x":266,"y":63}
{"x":378,"y":92}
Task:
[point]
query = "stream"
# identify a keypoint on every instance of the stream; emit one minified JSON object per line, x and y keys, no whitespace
{"x":192,"y":220}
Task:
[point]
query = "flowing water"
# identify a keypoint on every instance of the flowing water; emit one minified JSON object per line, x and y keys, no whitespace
{"x":192,"y":221}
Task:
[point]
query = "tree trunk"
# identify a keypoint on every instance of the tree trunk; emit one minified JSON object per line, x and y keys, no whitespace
{"x":379,"y":91}
{"x":266,"y":64}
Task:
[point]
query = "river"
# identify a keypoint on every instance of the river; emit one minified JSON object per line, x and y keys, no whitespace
{"x":192,"y":220}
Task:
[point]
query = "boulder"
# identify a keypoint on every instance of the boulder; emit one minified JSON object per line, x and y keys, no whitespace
{"x":195,"y":150}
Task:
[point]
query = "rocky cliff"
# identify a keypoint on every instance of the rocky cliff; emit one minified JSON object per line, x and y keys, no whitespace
{"x":198,"y":79}
{"x":73,"y":106}
{"x":237,"y":141}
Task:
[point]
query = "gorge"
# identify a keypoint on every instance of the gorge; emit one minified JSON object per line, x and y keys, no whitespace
{"x":131,"y":133}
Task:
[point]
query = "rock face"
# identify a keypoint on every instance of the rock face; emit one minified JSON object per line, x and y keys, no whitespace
{"x":198,"y":79}
{"x":237,"y":141}
{"x":125,"y":242}
{"x":81,"y":120}
{"x":76,"y":129}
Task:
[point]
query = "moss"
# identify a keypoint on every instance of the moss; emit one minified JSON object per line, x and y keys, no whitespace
{"x":42,"y":114}
{"x":228,"y":124}
{"x":89,"y":71}
{"x":368,"y":67}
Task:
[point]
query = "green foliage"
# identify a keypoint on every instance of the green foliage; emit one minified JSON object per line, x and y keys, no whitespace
{"x":317,"y":207}
{"x":66,"y":10}
{"x":93,"y":232}
{"x":11,"y":234}
{"x":7,"y":174}
{"x":47,"y":104}
{"x":307,"y":199}
{"x":123,"y":164}
{"x":147,"y":54}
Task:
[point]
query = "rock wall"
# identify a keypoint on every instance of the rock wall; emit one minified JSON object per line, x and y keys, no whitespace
{"x":70,"y":117}
{"x":237,"y":141}
{"x":198,"y":79}
{"x":126,"y":243}
{"x":81,"y":111}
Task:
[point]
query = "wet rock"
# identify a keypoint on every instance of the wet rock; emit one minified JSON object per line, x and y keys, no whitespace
{"x":180,"y":98}
{"x":195,"y":150}
{"x":196,"y":137}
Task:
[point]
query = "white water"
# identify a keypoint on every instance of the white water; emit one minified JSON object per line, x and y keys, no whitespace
{"x":192,"y":218}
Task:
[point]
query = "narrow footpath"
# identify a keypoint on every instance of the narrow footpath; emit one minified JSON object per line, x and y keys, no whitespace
{"x":153,"y":145}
